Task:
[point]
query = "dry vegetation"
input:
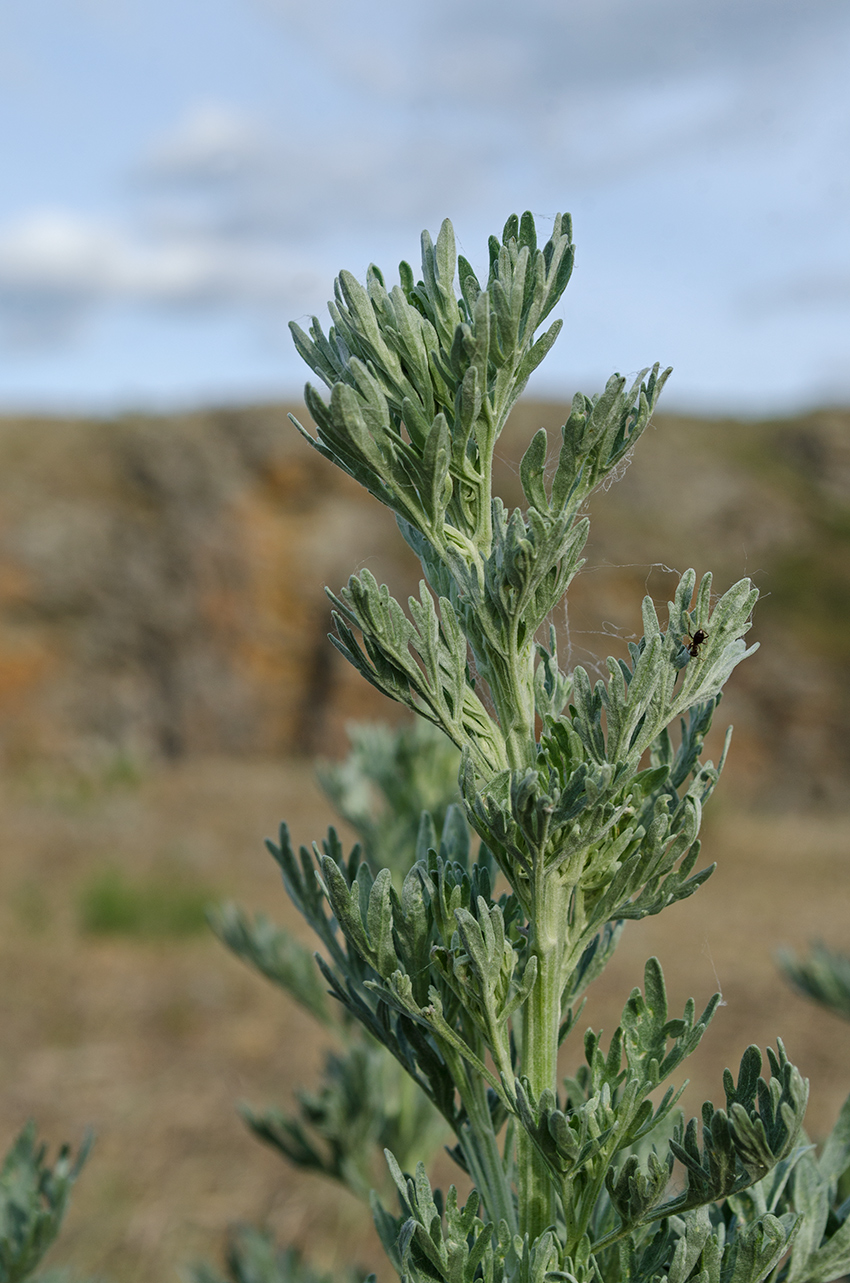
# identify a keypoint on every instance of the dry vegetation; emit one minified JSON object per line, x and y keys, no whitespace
{"x":155,"y":650}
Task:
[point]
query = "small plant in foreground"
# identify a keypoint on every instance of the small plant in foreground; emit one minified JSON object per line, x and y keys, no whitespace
{"x":33,"y":1199}
{"x":586,"y":799}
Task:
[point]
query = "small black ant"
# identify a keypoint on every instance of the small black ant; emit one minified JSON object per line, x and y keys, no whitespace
{"x":692,"y":644}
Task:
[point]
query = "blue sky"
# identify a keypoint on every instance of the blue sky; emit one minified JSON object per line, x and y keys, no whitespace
{"x":182,"y":177}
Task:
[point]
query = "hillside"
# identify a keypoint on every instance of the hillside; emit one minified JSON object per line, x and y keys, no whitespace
{"x":161,"y":583}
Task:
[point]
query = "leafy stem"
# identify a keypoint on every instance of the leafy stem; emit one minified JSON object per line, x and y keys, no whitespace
{"x":584,"y":802}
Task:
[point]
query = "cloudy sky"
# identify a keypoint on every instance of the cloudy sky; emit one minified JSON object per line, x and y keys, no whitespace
{"x":181,"y":177}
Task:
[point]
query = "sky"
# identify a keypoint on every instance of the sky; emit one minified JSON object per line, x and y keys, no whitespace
{"x":183,"y":177}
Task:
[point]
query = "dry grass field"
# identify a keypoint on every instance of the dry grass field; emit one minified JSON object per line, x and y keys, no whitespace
{"x":151,"y":1034}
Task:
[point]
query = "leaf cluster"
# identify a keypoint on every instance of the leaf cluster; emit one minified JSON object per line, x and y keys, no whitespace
{"x":253,"y":1257}
{"x":428,"y":1243}
{"x":33,"y":1199}
{"x":822,"y":974}
{"x":422,"y":380}
{"x":389,"y":777}
{"x":363,"y":1104}
{"x":363,"y":1101}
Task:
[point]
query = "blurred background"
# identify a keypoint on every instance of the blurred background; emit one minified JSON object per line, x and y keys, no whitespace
{"x":182,"y":179}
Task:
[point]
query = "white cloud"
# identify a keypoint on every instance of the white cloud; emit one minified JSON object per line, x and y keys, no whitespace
{"x":486,"y":55}
{"x":216,"y":220}
{"x":56,"y":268}
{"x":51,"y":251}
{"x":222,"y":215}
{"x":213,"y":142}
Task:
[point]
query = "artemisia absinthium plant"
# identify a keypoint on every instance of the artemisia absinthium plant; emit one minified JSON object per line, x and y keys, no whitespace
{"x":586,"y":806}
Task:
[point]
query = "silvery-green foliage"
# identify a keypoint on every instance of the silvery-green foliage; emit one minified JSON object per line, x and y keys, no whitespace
{"x":389,"y":777}
{"x":363,"y":1105}
{"x":815,"y":1189}
{"x":586,"y":797}
{"x":253,"y":1257}
{"x":275,"y":953}
{"x":381,"y":788}
{"x":430,"y":1241}
{"x":364,"y":1101}
{"x":821,"y":974}
{"x":33,"y":1199}
{"x":465,"y":1000}
{"x":818,"y":1187}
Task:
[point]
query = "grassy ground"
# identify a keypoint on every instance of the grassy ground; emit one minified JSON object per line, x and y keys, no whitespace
{"x":120,"y":1014}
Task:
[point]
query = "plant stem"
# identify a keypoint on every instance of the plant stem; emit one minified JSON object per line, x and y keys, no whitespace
{"x":512,"y":689}
{"x":479,"y":1144}
{"x":541,"y":1018}
{"x":481,"y":1151}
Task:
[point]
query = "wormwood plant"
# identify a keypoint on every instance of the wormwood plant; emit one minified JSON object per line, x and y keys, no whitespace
{"x":587,"y":800}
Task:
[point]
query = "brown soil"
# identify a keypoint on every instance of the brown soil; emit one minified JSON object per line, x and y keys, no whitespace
{"x":151,"y":1043}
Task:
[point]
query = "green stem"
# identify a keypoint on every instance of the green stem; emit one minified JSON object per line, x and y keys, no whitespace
{"x":590,"y":1199}
{"x":673,"y":1207}
{"x":486,"y":1167}
{"x":513,"y":695}
{"x":479,"y":1143}
{"x":541,"y":1018}
{"x":485,"y":533}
